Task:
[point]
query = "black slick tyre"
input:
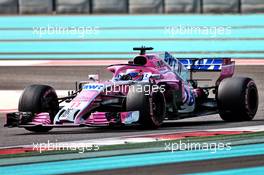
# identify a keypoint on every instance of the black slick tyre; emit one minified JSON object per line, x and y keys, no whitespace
{"x":36,"y":99}
{"x":151,"y":106}
{"x":237,"y":99}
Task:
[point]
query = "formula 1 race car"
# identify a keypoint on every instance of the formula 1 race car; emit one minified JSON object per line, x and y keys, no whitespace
{"x":148,"y":90}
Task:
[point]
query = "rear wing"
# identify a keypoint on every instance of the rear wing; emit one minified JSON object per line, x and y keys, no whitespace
{"x":224,"y":65}
{"x":196,"y":64}
{"x":203,"y":64}
{"x":179,"y":65}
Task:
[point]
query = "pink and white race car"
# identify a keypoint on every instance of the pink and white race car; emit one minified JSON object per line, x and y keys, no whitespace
{"x":148,"y":90}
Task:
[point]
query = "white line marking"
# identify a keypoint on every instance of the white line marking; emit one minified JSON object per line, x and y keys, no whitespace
{"x":60,"y":62}
{"x":9,"y":99}
{"x":21,"y":62}
{"x":96,"y":62}
{"x":256,"y":128}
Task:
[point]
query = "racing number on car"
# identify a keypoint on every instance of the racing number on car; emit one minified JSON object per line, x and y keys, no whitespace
{"x":146,"y":76}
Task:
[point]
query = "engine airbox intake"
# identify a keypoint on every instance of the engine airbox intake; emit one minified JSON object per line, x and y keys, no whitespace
{"x":140,"y":60}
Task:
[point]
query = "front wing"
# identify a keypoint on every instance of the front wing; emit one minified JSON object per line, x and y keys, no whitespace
{"x":28,"y":119}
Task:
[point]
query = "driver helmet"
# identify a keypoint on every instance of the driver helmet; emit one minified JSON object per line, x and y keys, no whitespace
{"x":134,"y":74}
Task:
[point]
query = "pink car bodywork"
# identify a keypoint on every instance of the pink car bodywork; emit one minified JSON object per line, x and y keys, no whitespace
{"x":83,"y":109}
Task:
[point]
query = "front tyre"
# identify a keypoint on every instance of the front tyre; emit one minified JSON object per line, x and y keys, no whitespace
{"x":37,"y":99}
{"x":237,"y":99}
{"x":151,"y":105}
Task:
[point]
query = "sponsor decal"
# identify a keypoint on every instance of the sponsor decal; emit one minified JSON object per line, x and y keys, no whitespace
{"x":95,"y":87}
{"x":213,"y":64}
{"x":66,"y":114}
{"x":176,"y":66}
{"x":172,"y":62}
{"x":132,"y":117}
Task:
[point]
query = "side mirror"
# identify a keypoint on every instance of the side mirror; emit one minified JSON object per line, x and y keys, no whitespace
{"x":93,"y":77}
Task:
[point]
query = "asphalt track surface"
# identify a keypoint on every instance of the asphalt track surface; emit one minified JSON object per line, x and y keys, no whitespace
{"x":16,"y":78}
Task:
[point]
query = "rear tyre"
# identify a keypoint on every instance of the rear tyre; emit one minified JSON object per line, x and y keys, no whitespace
{"x":237,"y":99}
{"x":36,"y":99}
{"x":151,"y":107}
